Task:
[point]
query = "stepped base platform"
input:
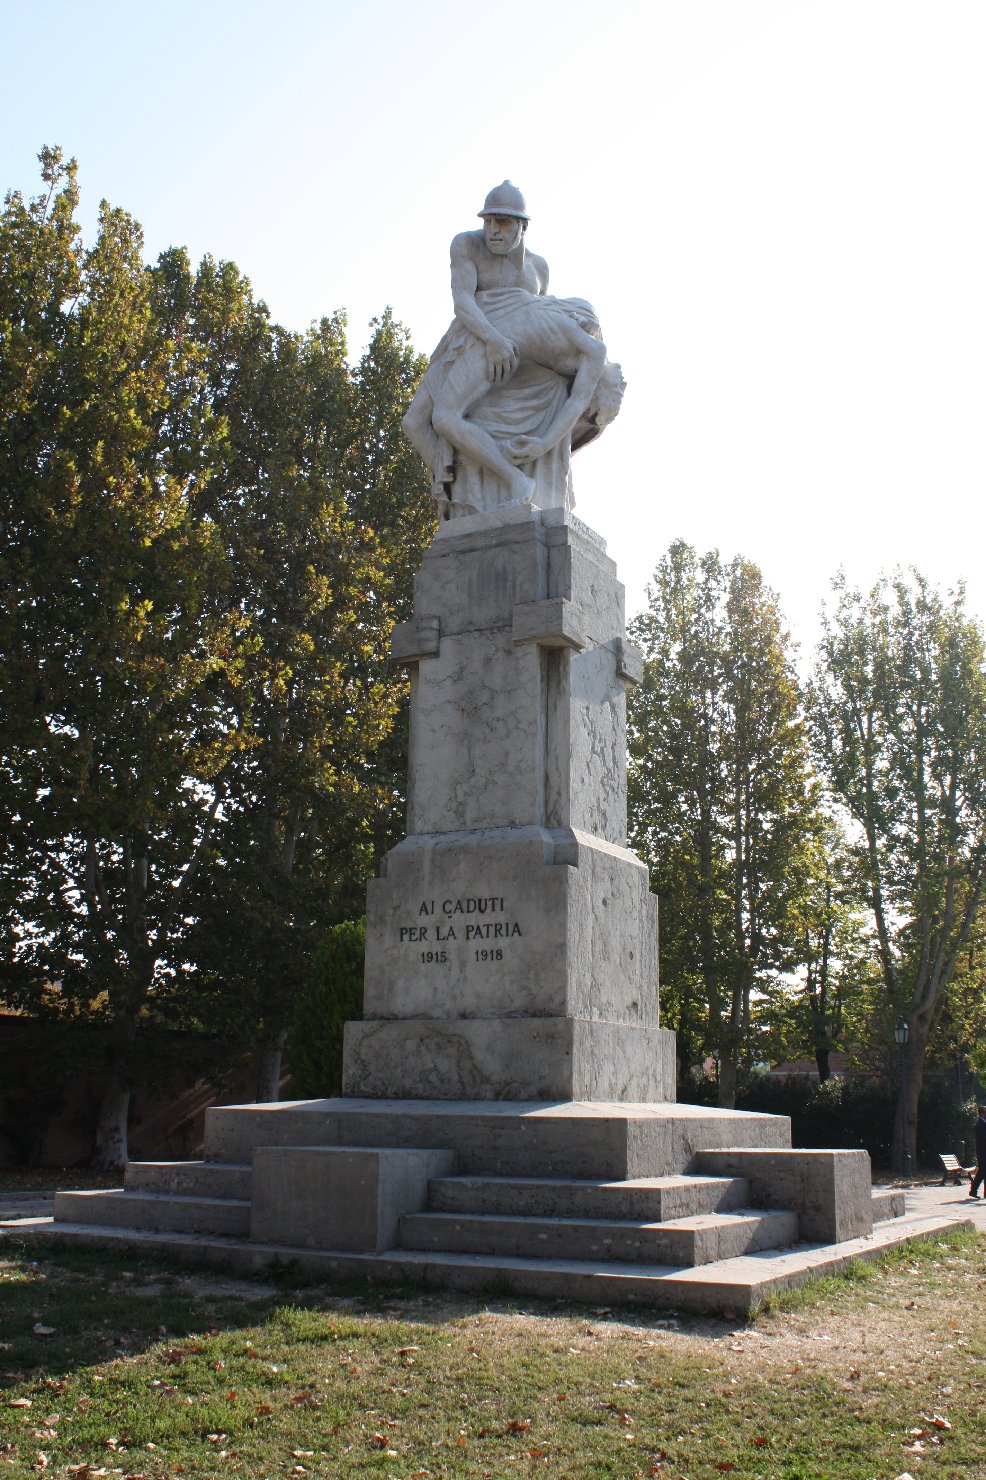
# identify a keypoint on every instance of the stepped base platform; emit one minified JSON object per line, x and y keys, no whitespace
{"x":730,"y":1286}
{"x":656,"y":1204}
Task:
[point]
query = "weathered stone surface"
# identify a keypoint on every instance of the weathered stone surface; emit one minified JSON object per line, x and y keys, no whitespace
{"x":189,"y":1178}
{"x":174,"y":1214}
{"x":507,"y":730}
{"x":830,"y":1190}
{"x":687,"y":1241}
{"x":499,"y":1138}
{"x":512,"y":922}
{"x":561,"y":1058}
{"x":330,"y":1197}
{"x":644,"y":1199}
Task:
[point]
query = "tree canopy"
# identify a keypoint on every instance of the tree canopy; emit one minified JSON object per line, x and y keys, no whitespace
{"x":207,"y":529}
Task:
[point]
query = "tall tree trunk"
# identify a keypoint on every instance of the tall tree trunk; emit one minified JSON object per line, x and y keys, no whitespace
{"x":727,"y":1078}
{"x":269,"y":1070}
{"x":110,"y":1146}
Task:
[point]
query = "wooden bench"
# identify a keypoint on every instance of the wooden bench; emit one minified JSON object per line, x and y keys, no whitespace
{"x":952,"y":1170}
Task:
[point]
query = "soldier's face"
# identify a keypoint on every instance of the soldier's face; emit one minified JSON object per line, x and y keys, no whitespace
{"x":502,"y":233}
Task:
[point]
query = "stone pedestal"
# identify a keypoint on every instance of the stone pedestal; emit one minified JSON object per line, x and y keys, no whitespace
{"x":512,"y":938}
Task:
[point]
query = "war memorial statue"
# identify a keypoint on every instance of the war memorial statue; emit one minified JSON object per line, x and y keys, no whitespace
{"x":519,"y":381}
{"x":508,"y":1114}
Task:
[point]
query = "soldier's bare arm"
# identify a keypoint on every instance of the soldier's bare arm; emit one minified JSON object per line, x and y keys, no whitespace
{"x":501,"y":356}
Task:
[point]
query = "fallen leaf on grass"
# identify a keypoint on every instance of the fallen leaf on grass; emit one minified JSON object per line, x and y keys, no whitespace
{"x":760,"y":1441}
{"x":305,"y":1400}
{"x":940,"y":1422}
{"x":19,"y":1403}
{"x":302,"y":1454}
{"x":404,"y":1351}
{"x":263,"y":1409}
{"x":39,"y":1329}
{"x":519,"y":1426}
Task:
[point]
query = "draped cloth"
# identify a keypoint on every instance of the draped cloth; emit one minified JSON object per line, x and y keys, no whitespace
{"x":525,"y":404}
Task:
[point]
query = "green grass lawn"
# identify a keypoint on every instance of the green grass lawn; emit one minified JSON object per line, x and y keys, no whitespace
{"x":126,"y":1369}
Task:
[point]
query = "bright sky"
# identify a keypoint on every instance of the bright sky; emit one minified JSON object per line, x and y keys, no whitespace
{"x":776,"y":206}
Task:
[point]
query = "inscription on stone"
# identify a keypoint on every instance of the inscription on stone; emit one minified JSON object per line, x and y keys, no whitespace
{"x":470,"y":918}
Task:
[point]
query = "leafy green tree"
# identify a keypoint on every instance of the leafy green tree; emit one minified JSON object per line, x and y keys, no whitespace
{"x":332,"y":996}
{"x":324,"y":511}
{"x":208,"y":527}
{"x":719,"y":787}
{"x":899,"y":713}
{"x":119,"y":643}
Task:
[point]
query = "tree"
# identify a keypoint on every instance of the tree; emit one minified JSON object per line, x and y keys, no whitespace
{"x":118,"y":644}
{"x":200,"y":571}
{"x":830,"y":966}
{"x":898,"y":708}
{"x":719,"y":789}
{"x":332,"y":996}
{"x":324,"y":512}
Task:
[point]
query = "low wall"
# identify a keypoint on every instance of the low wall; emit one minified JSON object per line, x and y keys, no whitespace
{"x":50,"y":1091}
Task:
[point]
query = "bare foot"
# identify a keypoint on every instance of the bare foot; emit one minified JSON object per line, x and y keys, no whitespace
{"x":521,"y":489}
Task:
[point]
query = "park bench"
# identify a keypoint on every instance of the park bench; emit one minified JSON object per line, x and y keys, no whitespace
{"x":952,"y":1170}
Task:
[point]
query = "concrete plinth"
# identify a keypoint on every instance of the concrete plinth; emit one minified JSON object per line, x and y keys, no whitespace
{"x":512,"y":937}
{"x":339,"y":1197}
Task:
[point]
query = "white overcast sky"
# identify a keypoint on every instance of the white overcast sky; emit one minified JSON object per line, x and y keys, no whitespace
{"x":776,"y":206}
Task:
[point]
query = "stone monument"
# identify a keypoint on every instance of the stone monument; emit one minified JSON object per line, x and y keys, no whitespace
{"x":508,"y":1110}
{"x":519,"y":382}
{"x":512,"y":941}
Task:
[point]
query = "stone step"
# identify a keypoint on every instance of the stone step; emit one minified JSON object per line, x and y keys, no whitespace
{"x":729,"y":1286}
{"x":682,"y":1242}
{"x":155,"y":1211}
{"x":888,"y":1202}
{"x":503,"y":1138}
{"x":643,"y":1199}
{"x":189,"y":1178}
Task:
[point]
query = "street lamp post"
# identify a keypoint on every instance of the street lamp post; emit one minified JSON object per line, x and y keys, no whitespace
{"x":900,"y":1035}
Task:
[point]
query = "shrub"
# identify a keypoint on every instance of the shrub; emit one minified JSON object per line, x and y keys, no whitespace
{"x":858,"y":1114}
{"x":333,"y":997}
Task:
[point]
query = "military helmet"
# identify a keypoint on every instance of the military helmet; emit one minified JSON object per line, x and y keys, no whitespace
{"x":505,"y":200}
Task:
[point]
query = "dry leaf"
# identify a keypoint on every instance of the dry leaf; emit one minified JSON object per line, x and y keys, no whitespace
{"x":39,"y":1329}
{"x":519,"y":1426}
{"x":19,"y":1403}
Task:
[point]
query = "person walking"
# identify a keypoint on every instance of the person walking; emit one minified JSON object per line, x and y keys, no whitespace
{"x":980,"y":1152}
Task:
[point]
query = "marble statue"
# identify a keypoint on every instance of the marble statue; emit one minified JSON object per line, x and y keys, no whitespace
{"x":519,"y":381}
